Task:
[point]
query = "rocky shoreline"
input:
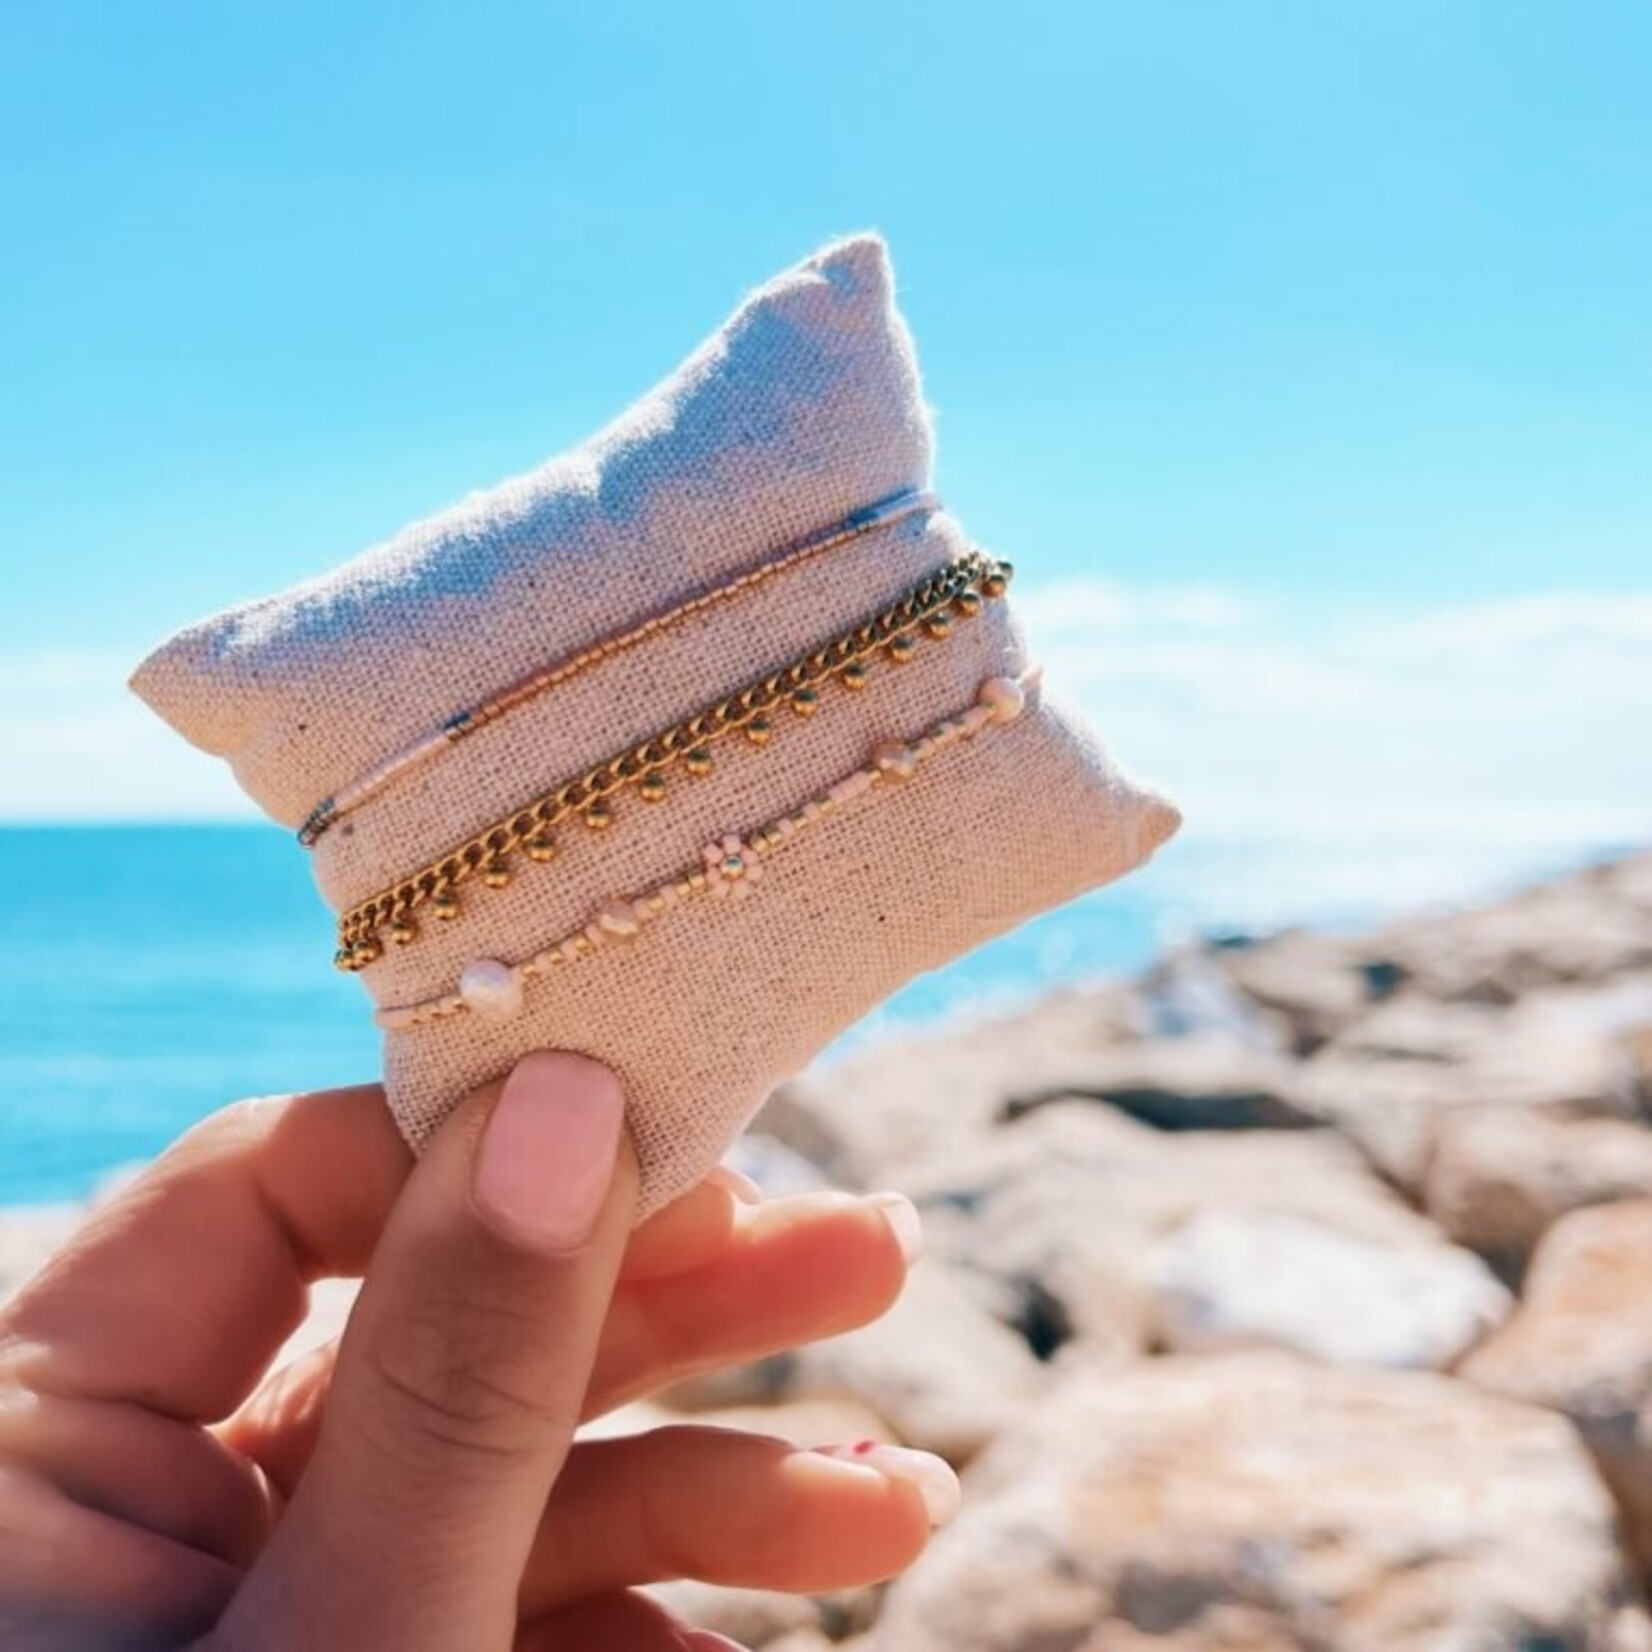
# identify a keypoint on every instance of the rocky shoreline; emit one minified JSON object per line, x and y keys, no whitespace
{"x":1295,"y":1294}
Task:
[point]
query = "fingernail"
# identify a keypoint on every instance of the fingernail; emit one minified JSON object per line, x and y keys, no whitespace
{"x":942,"y":1494}
{"x":904,"y":1221}
{"x":737,"y":1182}
{"x":548,"y":1150}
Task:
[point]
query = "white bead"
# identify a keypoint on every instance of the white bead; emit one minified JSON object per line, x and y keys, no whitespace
{"x":1004,"y":697}
{"x":492,"y":989}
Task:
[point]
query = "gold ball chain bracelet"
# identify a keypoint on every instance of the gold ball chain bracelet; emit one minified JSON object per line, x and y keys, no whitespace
{"x":730,"y":867}
{"x":957,"y":589}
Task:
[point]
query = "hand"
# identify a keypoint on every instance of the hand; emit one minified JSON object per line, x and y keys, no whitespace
{"x":418,"y":1486}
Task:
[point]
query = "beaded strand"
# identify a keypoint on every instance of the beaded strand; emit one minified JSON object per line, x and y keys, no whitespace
{"x":955,"y":589}
{"x":729,"y":868}
{"x":465,"y":723}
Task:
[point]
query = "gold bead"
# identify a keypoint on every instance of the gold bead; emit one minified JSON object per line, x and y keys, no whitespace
{"x":939,"y":625}
{"x":759,"y":731}
{"x":541,"y":847}
{"x":403,"y":930}
{"x":902,"y":648}
{"x":651,"y":788}
{"x":367,"y":952}
{"x":854,"y":676}
{"x":967,"y":604}
{"x":495,"y":873}
{"x":697,"y":760}
{"x":599,"y":816}
{"x":345,"y":959}
{"x":805,"y":702}
{"x":997,"y":581}
{"x":445,"y":904}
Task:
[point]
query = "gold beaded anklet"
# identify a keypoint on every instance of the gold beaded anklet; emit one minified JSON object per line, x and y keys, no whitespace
{"x":465,"y":723}
{"x":729,"y":867}
{"x":957,"y":587}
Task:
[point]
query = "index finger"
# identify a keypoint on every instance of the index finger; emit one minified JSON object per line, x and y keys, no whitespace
{"x":178,"y":1294}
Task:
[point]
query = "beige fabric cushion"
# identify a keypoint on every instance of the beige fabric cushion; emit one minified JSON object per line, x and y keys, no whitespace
{"x":802,"y":410}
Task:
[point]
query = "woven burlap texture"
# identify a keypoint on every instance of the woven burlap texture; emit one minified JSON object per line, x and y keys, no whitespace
{"x":803,"y":408}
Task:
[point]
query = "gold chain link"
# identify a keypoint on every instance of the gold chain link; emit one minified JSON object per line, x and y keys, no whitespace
{"x":360,"y":926}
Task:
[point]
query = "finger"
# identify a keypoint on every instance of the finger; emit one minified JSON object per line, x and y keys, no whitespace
{"x":617,"y":1623}
{"x":795,"y":1270}
{"x":61,"y":1563}
{"x":154,"y":1472}
{"x":733,"y":1508}
{"x":685,"y":1234}
{"x":790,"y":1271}
{"x":460,"y":1378}
{"x":178,"y":1293}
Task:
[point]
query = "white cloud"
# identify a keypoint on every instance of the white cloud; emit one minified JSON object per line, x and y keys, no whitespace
{"x":78,"y":746}
{"x":1420,"y":754}
{"x":1398,"y":756}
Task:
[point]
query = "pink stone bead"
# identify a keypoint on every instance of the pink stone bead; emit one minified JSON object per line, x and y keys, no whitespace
{"x":895,"y":758}
{"x":618,"y":918}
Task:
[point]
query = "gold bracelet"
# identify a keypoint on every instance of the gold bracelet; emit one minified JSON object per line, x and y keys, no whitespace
{"x":465,"y":723}
{"x":730,"y":866}
{"x":956,"y":588}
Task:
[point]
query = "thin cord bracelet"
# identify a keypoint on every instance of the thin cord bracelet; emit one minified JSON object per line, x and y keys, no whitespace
{"x":958,"y":588}
{"x":729,"y":867}
{"x":465,"y":723}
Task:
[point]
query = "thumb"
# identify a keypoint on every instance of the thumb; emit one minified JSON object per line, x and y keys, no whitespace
{"x":461,"y":1376}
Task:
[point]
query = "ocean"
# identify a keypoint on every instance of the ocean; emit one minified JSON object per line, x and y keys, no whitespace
{"x":149,"y":974}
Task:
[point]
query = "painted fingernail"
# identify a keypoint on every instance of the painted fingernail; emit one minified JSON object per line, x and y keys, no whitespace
{"x":942,"y":1494}
{"x":903,"y":1218}
{"x":708,"y":1640}
{"x":737,"y":1182}
{"x":548,"y":1150}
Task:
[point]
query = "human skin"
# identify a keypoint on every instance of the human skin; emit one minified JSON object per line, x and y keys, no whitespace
{"x":418,"y":1486}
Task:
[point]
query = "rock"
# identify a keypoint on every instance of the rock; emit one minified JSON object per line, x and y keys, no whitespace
{"x":1582,"y":1343}
{"x":1498,"y":1177}
{"x":1059,"y":1214}
{"x":1592,"y":926}
{"x":870,"y":1115}
{"x":938,"y":1370}
{"x":1190,"y":993}
{"x":1314,"y":985}
{"x":1391,"y":1081}
{"x":1202,"y":1083}
{"x":1253,"y":1502}
{"x":1245,"y":1279}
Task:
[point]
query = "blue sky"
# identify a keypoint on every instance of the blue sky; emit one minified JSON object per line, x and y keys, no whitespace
{"x":1300,"y":352}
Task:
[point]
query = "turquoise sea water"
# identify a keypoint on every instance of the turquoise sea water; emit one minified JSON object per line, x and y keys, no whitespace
{"x":150,"y":974}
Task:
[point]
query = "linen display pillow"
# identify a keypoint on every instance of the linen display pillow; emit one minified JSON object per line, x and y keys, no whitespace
{"x":682,"y":751}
